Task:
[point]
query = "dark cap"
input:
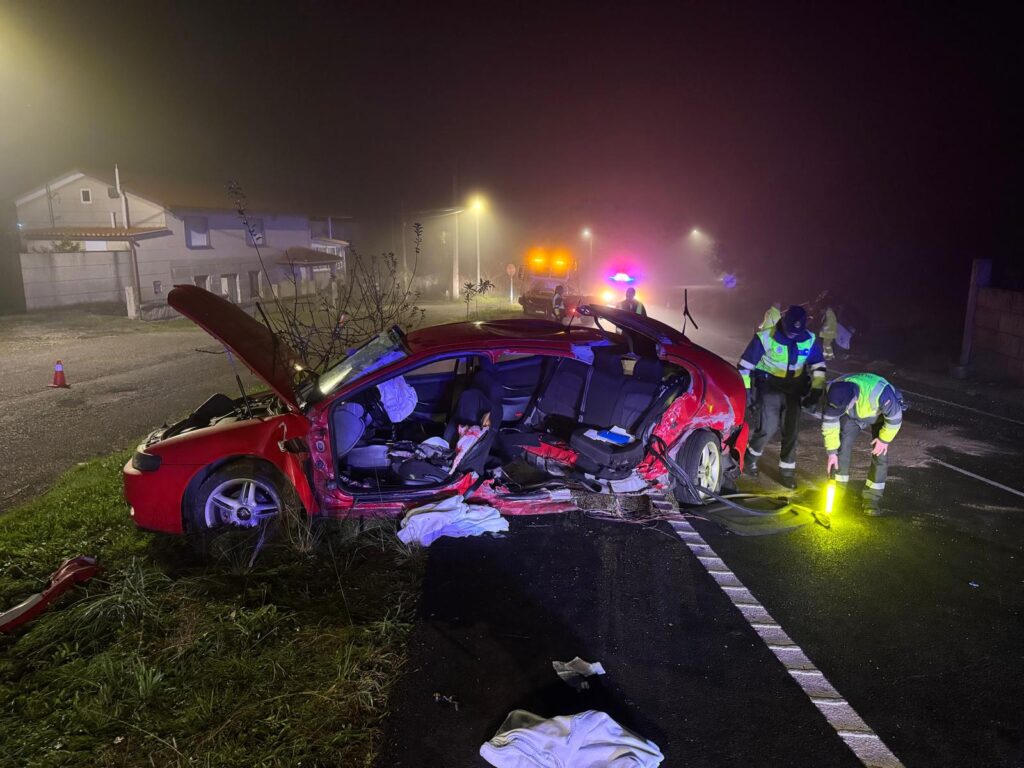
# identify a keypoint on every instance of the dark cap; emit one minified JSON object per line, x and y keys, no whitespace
{"x":795,"y":320}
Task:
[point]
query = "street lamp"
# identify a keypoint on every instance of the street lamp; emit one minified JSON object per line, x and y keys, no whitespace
{"x":478,"y":204}
{"x":695,"y":232}
{"x":587,"y":235}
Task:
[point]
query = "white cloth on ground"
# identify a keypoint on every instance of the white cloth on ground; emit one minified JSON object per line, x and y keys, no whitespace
{"x":590,"y":739}
{"x":398,"y":398}
{"x":451,"y":517}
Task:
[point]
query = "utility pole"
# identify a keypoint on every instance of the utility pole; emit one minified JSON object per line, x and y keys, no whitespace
{"x":136,"y":281}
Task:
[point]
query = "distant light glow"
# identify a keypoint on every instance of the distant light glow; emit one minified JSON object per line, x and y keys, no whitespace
{"x":695,"y":232}
{"x":608,"y":297}
{"x":478,"y":203}
{"x":622,"y":277}
{"x":729,"y":281}
{"x":586,"y":233}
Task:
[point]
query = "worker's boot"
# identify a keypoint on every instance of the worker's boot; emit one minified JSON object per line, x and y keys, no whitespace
{"x":872,"y":504}
{"x":750,"y":465}
{"x":788,"y":478}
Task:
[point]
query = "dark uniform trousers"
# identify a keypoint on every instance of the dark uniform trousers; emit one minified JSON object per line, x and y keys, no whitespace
{"x":849,"y":428}
{"x":778,"y":407}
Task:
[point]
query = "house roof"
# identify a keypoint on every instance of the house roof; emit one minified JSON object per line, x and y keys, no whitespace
{"x":307,"y":257}
{"x":180,"y":194}
{"x":94,"y":233}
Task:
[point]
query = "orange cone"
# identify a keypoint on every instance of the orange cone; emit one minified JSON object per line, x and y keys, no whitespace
{"x":59,"y":382}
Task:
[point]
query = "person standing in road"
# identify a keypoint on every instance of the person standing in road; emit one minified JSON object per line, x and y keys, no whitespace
{"x":772,"y":315}
{"x":780,"y":368}
{"x":632,"y":304}
{"x":852,"y":403}
{"x":829,"y":331}
{"x":558,"y":303}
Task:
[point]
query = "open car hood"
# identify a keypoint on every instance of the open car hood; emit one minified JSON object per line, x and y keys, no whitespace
{"x":263,"y":353}
{"x":631,"y":321}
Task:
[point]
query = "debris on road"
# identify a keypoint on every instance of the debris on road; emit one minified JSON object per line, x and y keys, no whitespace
{"x":591,"y":738}
{"x":451,"y":517}
{"x":576,"y":672}
{"x":452,"y":701}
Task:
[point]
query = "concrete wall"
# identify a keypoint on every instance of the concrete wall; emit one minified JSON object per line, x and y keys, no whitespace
{"x":61,"y":279}
{"x":999,"y":333}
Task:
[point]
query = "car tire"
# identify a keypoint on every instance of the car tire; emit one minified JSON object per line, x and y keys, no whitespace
{"x":700,"y":456}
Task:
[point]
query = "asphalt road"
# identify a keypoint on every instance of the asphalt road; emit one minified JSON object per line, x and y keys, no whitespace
{"x":122,"y":385}
{"x":914,"y":618}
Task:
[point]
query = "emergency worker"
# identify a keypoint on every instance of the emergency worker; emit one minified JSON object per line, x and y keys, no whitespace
{"x":829,"y":331}
{"x":632,"y":304}
{"x":558,"y":302}
{"x":780,"y":368}
{"x":852,"y":403}
{"x":772,"y":315}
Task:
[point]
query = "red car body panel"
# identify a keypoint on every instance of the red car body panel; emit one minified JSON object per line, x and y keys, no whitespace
{"x":156,"y":497}
{"x":298,"y":444}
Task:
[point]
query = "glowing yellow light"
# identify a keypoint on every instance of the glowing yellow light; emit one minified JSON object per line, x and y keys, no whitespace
{"x":608,"y":297}
{"x":586,"y":232}
{"x":478,"y":204}
{"x":830,"y":496}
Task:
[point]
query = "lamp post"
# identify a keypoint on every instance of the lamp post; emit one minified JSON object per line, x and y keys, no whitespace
{"x":587,"y":235}
{"x":477,"y":204}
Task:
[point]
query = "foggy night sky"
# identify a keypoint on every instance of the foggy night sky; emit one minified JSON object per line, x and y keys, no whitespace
{"x":850,"y":141}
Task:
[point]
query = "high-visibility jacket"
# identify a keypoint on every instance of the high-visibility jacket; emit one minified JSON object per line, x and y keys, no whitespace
{"x":783,"y":358}
{"x":865,"y":397}
{"x":633,"y":305}
{"x":830,"y":325}
{"x":772,"y":315}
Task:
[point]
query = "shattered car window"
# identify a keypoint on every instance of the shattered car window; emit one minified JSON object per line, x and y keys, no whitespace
{"x":381,"y":350}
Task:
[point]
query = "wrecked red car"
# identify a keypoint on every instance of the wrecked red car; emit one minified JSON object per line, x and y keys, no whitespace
{"x":519,"y":412}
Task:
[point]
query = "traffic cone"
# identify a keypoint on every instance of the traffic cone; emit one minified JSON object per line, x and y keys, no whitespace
{"x":59,"y":382}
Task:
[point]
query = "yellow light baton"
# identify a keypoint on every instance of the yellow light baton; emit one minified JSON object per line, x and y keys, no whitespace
{"x":830,"y":492}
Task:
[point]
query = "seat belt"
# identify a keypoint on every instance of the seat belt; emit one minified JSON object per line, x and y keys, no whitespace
{"x":583,"y":398}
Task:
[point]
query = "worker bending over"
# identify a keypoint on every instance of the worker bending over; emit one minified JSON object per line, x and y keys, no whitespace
{"x":853,"y":402}
{"x":780,"y":368}
{"x":632,"y":304}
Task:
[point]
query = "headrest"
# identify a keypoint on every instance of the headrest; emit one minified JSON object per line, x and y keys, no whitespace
{"x":648,"y":369}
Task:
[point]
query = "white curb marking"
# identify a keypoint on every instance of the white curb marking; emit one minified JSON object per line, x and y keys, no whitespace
{"x":850,"y":727}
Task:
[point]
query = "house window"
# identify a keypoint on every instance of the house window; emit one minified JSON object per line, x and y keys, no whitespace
{"x":86,"y":196}
{"x":229,"y":287}
{"x":254,"y":284}
{"x":255,"y":235}
{"x":157,"y":288}
{"x":197,"y":232}
{"x":200,"y":281}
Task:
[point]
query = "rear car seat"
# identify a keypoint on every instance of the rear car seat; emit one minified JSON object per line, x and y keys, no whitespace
{"x":613,"y":399}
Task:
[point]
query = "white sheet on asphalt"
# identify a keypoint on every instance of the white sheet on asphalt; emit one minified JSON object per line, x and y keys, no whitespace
{"x":450,"y":517}
{"x":590,"y":739}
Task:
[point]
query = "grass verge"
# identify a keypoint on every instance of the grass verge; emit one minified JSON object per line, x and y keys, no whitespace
{"x":166,"y":661}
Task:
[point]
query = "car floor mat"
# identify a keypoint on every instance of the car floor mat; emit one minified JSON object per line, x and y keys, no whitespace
{"x":787,"y":518}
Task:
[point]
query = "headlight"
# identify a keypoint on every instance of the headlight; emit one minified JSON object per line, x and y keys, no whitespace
{"x":146,"y":462}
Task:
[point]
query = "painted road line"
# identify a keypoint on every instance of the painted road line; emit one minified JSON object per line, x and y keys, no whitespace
{"x":993,"y":483}
{"x":851,"y":728}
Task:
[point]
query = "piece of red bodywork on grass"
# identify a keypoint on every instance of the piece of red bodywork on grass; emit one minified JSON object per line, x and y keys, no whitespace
{"x":77,"y":570}
{"x":542,"y":504}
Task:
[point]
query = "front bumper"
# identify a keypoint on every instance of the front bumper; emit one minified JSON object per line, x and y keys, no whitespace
{"x":155,"y":497}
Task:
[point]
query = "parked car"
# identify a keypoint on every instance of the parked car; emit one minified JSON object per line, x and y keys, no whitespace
{"x":515,"y":411}
{"x":536,"y":299}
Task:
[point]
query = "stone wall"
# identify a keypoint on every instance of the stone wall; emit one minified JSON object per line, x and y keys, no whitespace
{"x":999,"y":333}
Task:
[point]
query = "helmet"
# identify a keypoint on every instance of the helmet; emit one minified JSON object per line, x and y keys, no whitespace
{"x":794,"y":321}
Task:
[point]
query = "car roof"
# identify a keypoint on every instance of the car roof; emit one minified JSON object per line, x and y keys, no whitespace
{"x":496,"y":333}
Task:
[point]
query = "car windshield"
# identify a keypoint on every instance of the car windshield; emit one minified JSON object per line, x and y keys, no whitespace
{"x":381,"y":350}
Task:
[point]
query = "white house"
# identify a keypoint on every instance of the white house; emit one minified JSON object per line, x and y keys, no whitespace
{"x":84,"y":236}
